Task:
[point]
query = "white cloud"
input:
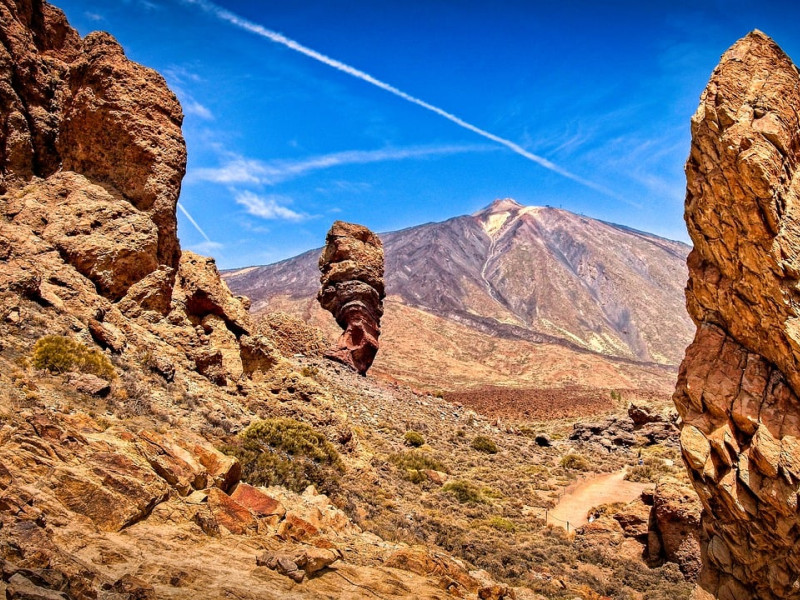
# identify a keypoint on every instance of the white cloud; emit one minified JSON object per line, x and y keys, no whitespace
{"x":268,"y":207}
{"x":193,"y":107}
{"x":93,"y":16}
{"x":206,"y":248}
{"x":238,"y":169}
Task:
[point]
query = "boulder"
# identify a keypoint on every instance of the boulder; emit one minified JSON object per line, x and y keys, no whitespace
{"x":230,"y":514}
{"x":257,"y":501}
{"x":87,"y":383}
{"x":675,"y":519}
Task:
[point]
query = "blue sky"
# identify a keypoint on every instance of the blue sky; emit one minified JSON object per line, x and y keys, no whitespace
{"x":586,"y":106}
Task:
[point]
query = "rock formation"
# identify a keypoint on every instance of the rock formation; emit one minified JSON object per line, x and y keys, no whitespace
{"x":91,"y":162}
{"x":102,"y":129}
{"x":738,"y":386}
{"x":666,"y":521}
{"x":353,"y":292}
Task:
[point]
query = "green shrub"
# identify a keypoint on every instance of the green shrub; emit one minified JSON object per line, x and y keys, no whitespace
{"x":576,"y":462}
{"x":414,"y":438}
{"x":59,"y":354}
{"x":464,"y":491}
{"x":501,"y":524}
{"x":481,"y":443}
{"x":413,"y":464}
{"x":286,"y":452}
{"x":650,"y":472}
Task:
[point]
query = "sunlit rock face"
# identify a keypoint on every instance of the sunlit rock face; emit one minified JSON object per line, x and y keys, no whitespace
{"x":738,"y":384}
{"x":104,"y":132}
{"x":353,"y":292}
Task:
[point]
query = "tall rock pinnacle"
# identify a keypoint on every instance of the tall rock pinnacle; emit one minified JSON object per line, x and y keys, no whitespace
{"x":353,"y":292}
{"x":738,"y":387}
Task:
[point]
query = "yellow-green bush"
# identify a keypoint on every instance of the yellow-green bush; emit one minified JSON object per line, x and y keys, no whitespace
{"x":286,"y":452}
{"x":414,"y":438}
{"x":481,"y":443}
{"x":501,"y":524}
{"x":413,"y":464}
{"x":464,"y":491}
{"x":576,"y":462}
{"x":59,"y":354}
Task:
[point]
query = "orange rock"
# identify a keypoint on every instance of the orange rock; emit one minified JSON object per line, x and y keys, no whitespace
{"x":296,"y":528}
{"x":738,"y":386}
{"x":230,"y":514}
{"x":257,"y":501}
{"x":177,"y":466}
{"x":223,"y":471}
{"x":422,"y":561}
{"x":353,"y":292}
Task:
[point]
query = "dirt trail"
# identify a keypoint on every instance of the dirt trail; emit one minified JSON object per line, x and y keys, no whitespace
{"x":585,"y":494}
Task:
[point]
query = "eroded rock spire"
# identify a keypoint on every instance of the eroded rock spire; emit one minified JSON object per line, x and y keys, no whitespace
{"x":353,"y":292}
{"x":738,"y":387}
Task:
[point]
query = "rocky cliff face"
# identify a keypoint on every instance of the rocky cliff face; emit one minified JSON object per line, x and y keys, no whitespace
{"x":738,"y":385}
{"x":353,"y":292}
{"x":92,"y":160}
{"x":100,"y":129}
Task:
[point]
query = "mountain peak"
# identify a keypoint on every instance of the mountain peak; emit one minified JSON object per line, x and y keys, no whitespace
{"x":502,"y":205}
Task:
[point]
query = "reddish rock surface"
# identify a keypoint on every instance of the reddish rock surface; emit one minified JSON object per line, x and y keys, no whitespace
{"x":675,"y":527}
{"x":257,"y":501}
{"x":738,"y":385}
{"x":112,"y":126}
{"x":230,"y":514}
{"x":353,"y":292}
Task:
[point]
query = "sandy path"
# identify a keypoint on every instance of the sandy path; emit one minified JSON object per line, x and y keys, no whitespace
{"x":583,"y":495}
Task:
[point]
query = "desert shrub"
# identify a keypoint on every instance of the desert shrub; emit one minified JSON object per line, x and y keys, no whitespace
{"x":481,"y":443}
{"x":132,"y":396}
{"x":59,"y":354}
{"x":464,"y":491}
{"x":501,"y":524}
{"x":575,"y":462}
{"x":413,"y":464}
{"x":650,"y":472}
{"x":414,"y":438}
{"x":286,"y":452}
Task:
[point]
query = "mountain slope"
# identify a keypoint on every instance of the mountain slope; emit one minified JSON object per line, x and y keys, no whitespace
{"x":534,"y":274}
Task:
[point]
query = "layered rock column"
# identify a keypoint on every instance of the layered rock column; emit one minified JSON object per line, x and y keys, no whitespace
{"x":738,"y":386}
{"x":353,"y":291}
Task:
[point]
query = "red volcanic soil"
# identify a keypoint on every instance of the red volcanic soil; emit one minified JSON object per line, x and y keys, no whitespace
{"x":543,"y":404}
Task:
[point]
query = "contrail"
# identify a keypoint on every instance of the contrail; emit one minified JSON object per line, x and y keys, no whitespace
{"x":193,"y":222}
{"x":242,"y":23}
